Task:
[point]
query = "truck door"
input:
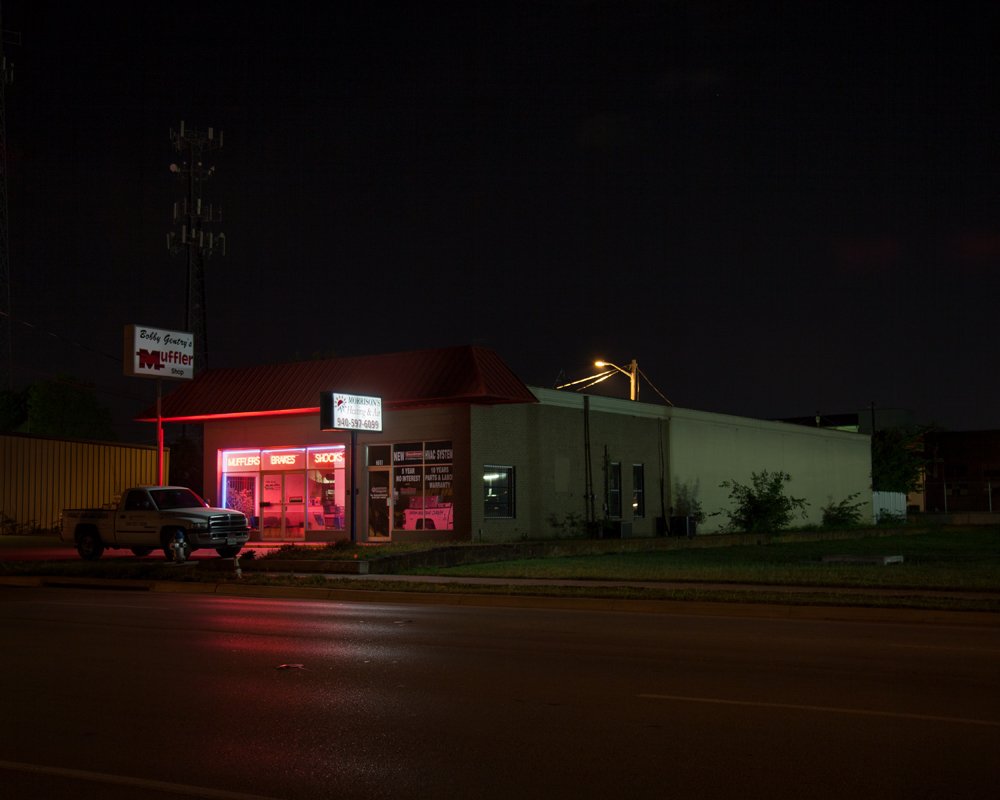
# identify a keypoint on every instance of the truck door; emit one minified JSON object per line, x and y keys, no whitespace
{"x":137,"y":523}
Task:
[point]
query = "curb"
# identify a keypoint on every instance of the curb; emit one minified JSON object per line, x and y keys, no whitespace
{"x":979,"y":619}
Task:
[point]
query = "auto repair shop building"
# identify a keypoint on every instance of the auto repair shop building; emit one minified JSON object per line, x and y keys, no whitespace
{"x":468,"y":452}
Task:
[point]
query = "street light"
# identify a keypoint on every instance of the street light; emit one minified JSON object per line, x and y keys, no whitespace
{"x":632,"y":373}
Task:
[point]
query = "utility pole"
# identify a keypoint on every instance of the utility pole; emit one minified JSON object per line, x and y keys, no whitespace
{"x":192,"y":216}
{"x":6,"y":350}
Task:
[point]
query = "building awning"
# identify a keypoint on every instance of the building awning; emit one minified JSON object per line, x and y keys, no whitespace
{"x":416,"y":379}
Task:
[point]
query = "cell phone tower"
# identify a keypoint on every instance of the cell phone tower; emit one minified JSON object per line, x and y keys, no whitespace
{"x":6,"y":350}
{"x":192,"y":215}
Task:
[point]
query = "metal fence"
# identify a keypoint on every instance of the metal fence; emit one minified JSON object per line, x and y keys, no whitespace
{"x":888,"y":504}
{"x":42,"y":475}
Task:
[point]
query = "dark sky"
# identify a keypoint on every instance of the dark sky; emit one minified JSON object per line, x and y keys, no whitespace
{"x":775,"y":208}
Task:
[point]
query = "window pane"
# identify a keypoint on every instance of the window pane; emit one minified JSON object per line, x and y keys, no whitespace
{"x":614,"y":490}
{"x":407,"y":497}
{"x":326,"y":499}
{"x":241,"y":494}
{"x":379,"y":455}
{"x":438,"y":497}
{"x":498,"y":488}
{"x":638,"y":491}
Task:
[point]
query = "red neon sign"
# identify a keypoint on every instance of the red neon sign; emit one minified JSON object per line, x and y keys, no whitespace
{"x":326,"y":458}
{"x":283,"y":459}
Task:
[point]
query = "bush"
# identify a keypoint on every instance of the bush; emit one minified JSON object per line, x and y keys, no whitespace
{"x":843,"y":515}
{"x":764,"y":506}
{"x":686,"y":504}
{"x":571,"y":526}
{"x":891,"y":519}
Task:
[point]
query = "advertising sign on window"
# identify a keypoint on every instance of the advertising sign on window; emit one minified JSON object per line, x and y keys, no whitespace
{"x":158,"y":353}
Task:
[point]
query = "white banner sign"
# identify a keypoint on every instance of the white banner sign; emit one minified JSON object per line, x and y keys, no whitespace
{"x":156,"y":353}
{"x":357,"y":412}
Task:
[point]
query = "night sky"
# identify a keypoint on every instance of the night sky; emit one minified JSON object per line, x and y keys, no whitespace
{"x":776,"y":209}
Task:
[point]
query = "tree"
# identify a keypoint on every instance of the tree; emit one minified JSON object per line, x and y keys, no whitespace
{"x":187,"y":468}
{"x":764,"y":506}
{"x":898,"y":460}
{"x":13,"y":410}
{"x":68,"y":408}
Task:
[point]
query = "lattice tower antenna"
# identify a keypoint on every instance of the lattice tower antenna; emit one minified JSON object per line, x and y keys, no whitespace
{"x":6,"y":350}
{"x":192,"y":215}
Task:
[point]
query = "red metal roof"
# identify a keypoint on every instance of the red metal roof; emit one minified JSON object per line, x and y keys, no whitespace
{"x":443,"y":376}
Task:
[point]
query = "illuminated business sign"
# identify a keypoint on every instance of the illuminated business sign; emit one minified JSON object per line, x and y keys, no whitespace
{"x":158,"y":353}
{"x":283,"y":459}
{"x":242,"y":461}
{"x":320,"y":459}
{"x":350,"y":412}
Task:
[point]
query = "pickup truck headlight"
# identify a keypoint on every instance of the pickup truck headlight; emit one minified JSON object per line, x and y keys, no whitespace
{"x":199,"y":526}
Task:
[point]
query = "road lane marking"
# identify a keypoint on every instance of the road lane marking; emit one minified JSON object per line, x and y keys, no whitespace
{"x":946,"y":647}
{"x":53,"y":603}
{"x":828,"y":709}
{"x":122,"y":780}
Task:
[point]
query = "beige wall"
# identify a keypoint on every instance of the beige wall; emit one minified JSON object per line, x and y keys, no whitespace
{"x":826,"y":466}
{"x":545,"y":444}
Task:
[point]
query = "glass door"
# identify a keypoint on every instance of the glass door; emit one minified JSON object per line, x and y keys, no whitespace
{"x":294,"y":506}
{"x":378,"y":503}
{"x":271,"y":506}
{"x":283,"y":506}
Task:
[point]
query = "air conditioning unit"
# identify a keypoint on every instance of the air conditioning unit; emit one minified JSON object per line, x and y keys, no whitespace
{"x":619,"y":530}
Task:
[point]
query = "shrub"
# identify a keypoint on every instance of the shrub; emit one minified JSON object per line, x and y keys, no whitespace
{"x":686,"y":504}
{"x":891,"y":519}
{"x":763,"y":506}
{"x":572,"y":525}
{"x":844,"y":514}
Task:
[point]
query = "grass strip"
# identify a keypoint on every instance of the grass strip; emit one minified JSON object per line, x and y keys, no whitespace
{"x":819,"y":598}
{"x":966,"y":560}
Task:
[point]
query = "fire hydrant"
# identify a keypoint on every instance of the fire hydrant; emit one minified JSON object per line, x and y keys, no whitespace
{"x":179,"y":547}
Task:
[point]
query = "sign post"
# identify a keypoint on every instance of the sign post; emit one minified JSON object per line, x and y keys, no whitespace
{"x":160,"y":354}
{"x":351,"y":412}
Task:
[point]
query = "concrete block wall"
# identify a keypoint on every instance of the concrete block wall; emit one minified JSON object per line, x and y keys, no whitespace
{"x":544,"y":442}
{"x":826,"y":466}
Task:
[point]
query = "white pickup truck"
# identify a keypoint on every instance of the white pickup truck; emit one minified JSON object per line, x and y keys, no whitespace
{"x":147,"y":517}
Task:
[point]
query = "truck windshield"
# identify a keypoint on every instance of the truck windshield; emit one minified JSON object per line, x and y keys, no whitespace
{"x":166,"y":499}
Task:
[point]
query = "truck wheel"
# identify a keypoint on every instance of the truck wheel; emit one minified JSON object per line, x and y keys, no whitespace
{"x":89,"y":545}
{"x":141,"y":551}
{"x":229,"y":552}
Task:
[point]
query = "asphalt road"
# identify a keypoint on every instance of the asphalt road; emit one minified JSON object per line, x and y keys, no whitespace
{"x":156,"y":696}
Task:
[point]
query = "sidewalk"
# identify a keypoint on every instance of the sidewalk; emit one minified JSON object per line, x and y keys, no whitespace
{"x":52,"y":548}
{"x":668,"y":585}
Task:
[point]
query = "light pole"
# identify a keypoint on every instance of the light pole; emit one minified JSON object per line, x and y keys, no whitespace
{"x":632,"y":373}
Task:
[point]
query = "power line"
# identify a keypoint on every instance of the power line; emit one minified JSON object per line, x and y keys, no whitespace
{"x":6,"y":77}
{"x":81,"y":384}
{"x":119,"y":359}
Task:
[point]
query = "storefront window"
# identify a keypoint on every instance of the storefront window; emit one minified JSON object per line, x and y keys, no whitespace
{"x":422,"y":486}
{"x":240,"y":476}
{"x":438,"y":498}
{"x":326,"y":488}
